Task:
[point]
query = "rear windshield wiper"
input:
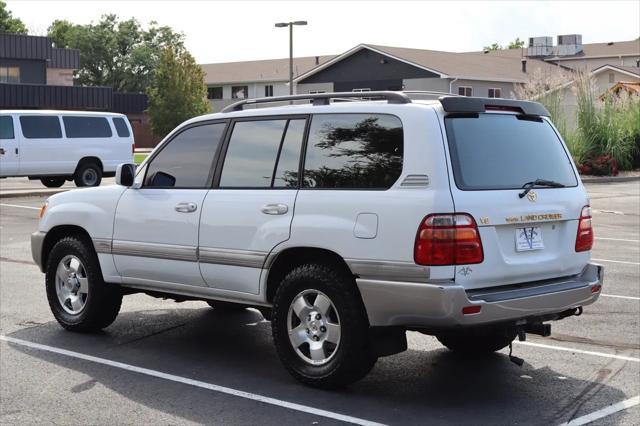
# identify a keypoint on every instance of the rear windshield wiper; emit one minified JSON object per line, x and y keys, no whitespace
{"x":539,"y":182}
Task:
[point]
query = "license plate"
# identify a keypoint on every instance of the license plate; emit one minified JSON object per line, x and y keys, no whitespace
{"x":529,"y":238}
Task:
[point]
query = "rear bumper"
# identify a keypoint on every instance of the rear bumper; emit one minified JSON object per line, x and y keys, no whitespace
{"x":391,"y":303}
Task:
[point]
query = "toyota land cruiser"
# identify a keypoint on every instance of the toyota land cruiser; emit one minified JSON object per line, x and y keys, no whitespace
{"x":346,"y":223}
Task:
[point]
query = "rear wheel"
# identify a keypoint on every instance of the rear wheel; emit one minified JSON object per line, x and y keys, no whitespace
{"x":89,"y":173}
{"x":320,"y":327}
{"x":78,"y":297}
{"x":53,"y":181}
{"x":478,"y":341}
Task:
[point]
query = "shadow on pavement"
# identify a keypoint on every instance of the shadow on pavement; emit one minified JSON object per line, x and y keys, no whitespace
{"x":234,"y":349}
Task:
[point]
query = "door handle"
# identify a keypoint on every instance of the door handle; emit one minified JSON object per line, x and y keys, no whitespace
{"x":274,"y":209}
{"x":186,"y":207}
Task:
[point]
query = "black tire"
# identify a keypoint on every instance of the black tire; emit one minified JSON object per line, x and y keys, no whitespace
{"x":88,"y":173}
{"x":53,"y":181}
{"x":477,"y":342}
{"x":352,"y":358}
{"x":102,"y":301}
{"x":225,"y":306}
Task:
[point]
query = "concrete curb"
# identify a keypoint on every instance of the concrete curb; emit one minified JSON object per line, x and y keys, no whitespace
{"x":609,"y":179}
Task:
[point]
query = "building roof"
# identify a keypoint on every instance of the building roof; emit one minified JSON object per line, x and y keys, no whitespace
{"x":468,"y":66}
{"x":630,"y":71}
{"x":632,"y":88}
{"x":264,"y":70}
{"x":589,"y":50}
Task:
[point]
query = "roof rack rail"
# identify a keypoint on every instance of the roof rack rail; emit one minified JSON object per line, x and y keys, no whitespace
{"x":322,"y":98}
{"x":469,"y":104}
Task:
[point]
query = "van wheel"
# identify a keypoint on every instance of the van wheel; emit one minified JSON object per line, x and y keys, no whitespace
{"x":320,"y":327}
{"x":480,"y":341}
{"x":225,"y":306}
{"x":88,"y":173}
{"x":53,"y":181}
{"x":78,"y":297}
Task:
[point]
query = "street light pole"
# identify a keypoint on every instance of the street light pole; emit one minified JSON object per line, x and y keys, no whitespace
{"x":290,"y":25}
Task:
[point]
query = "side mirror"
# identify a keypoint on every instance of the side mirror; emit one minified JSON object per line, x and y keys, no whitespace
{"x":125,"y":174}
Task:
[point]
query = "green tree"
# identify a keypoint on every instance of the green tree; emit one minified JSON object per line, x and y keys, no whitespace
{"x":494,"y":46}
{"x":9,"y":24}
{"x":178,"y":93}
{"x":114,"y":53}
{"x":516,"y":44}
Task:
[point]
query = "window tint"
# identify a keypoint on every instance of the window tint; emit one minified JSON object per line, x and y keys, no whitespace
{"x":214,"y":92}
{"x":6,"y":127}
{"x":86,"y":127}
{"x":353,"y":151}
{"x":40,"y":127}
{"x":252,"y":153}
{"x":289,"y":161}
{"x":504,"y":151}
{"x":121,"y":127}
{"x":186,"y":161}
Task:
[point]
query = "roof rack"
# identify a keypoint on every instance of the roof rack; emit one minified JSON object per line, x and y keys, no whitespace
{"x":468,"y":104}
{"x":429,"y":93}
{"x":323,"y":98}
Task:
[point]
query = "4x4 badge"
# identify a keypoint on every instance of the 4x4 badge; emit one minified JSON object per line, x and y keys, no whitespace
{"x":532,"y":196}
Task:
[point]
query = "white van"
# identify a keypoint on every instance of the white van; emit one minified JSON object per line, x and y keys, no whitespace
{"x":55,"y":146}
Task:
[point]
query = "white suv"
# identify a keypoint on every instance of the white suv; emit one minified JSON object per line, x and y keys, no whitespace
{"x":345,"y":223}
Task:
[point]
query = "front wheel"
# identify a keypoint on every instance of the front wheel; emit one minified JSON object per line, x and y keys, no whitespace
{"x":53,"y":181}
{"x":477,"y":342}
{"x":320,"y":327}
{"x":78,"y":297}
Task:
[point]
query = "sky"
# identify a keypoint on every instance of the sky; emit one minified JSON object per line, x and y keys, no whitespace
{"x":222,"y":31}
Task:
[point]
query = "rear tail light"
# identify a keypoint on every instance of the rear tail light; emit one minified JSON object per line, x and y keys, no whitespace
{"x":584,"y":239}
{"x":133,"y":148}
{"x":448,"y":239}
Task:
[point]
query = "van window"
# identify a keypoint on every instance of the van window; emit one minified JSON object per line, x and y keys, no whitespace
{"x":505,"y":151}
{"x":186,"y":161}
{"x":40,"y":127}
{"x":121,"y":127}
{"x":353,"y":151}
{"x":86,"y":127}
{"x":252,"y":154}
{"x":6,"y":127}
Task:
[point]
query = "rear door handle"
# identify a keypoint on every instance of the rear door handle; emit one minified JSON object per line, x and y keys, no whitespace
{"x":186,"y":207}
{"x":274,"y":209}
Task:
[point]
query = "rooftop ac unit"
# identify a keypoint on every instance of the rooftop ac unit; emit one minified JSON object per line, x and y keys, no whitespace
{"x":540,"y":46}
{"x":569,"y":44}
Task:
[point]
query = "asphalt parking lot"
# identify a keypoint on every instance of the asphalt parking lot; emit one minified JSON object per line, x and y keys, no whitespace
{"x":180,"y":363}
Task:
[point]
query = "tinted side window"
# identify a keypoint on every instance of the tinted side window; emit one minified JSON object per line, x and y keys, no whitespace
{"x":186,"y":161}
{"x":358,"y":151}
{"x":121,"y":127}
{"x":286,"y":175}
{"x":252,"y":154}
{"x":40,"y":127}
{"x":6,"y":127}
{"x":86,"y":127}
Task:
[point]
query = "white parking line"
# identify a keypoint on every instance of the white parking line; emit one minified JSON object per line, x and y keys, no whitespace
{"x":196,"y":383}
{"x":620,"y":297}
{"x":618,"y":239}
{"x":578,"y":351}
{"x":19,"y":206}
{"x":617,"y":261}
{"x":606,"y":411}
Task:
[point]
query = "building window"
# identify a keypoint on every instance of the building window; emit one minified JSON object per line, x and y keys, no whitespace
{"x":214,"y":93}
{"x":268,"y":90}
{"x":313,"y":92}
{"x":494,"y":92}
{"x":240,"y":92}
{"x":465,"y":91}
{"x":612,"y":78}
{"x":9,"y":75}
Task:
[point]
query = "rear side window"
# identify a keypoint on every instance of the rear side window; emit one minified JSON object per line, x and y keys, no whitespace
{"x":121,"y":127}
{"x":504,"y":151}
{"x":41,"y":127}
{"x":6,"y":127}
{"x":186,"y":161}
{"x":353,"y":151}
{"x":86,"y":127}
{"x":263,"y":154}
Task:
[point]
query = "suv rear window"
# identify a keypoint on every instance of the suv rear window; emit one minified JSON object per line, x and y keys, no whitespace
{"x":504,"y":151}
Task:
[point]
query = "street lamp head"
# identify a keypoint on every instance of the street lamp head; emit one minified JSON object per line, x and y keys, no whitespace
{"x":299,"y":23}
{"x":282,"y":24}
